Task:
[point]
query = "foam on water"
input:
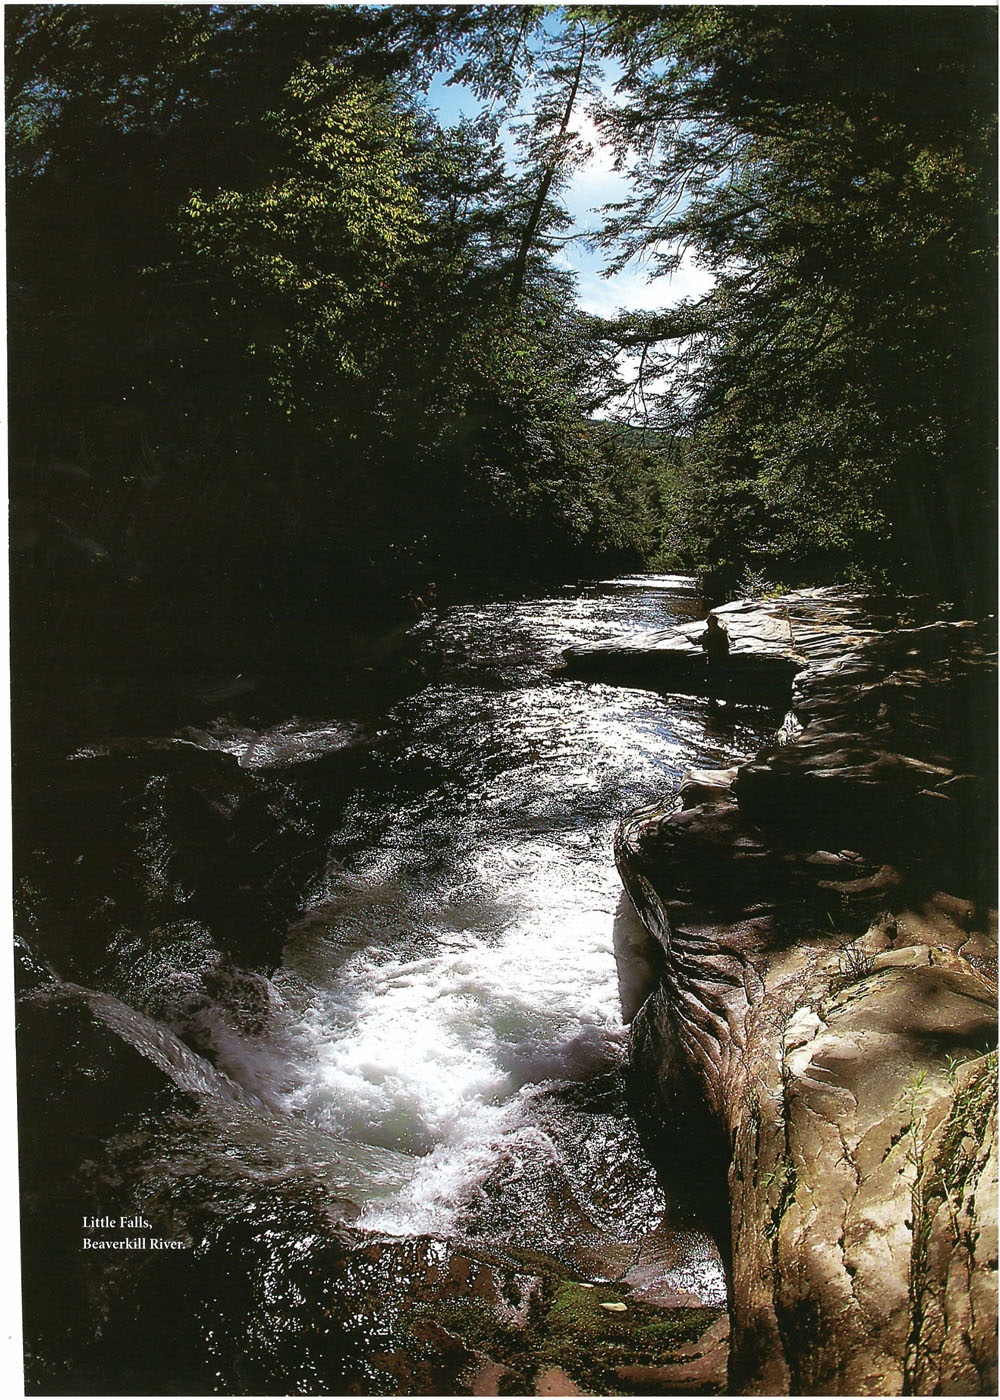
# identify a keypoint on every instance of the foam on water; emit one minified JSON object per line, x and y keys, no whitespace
{"x":461,"y":969}
{"x":281,"y":745}
{"x":273,"y":1143}
{"x":294,"y":741}
{"x":456,"y":976}
{"x":402,"y":1051}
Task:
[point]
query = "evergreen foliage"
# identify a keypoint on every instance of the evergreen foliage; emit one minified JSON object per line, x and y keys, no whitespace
{"x":835,"y":169}
{"x":275,"y":333}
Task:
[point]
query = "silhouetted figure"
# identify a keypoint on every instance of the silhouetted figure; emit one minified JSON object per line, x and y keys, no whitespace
{"x":715,"y":642}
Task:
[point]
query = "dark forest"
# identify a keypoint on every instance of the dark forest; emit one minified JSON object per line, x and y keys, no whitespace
{"x":278,"y":340}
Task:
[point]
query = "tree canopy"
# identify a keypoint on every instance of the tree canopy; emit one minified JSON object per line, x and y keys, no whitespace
{"x":835,"y":169}
{"x":274,"y":328}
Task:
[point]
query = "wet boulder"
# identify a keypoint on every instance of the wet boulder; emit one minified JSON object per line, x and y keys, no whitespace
{"x":127,"y":849}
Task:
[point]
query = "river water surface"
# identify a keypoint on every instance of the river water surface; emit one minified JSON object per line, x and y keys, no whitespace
{"x":441,"y":1050}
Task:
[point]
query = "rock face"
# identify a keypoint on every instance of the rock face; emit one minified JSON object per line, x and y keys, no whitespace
{"x":828,"y":994}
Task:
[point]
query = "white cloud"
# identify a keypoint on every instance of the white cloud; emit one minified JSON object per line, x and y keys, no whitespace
{"x":598,"y":183}
{"x":635,"y":291}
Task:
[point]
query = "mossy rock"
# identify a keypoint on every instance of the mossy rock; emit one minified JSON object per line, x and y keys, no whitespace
{"x":590,"y":1341}
{"x":569,"y":1329}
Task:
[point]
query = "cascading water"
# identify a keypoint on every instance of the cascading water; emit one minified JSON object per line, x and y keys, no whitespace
{"x":441,"y":1050}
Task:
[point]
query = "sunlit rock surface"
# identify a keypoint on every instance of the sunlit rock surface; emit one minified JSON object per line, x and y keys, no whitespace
{"x":763,"y":657}
{"x":828,"y":991}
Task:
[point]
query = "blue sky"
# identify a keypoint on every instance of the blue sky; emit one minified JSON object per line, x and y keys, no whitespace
{"x":596,"y":184}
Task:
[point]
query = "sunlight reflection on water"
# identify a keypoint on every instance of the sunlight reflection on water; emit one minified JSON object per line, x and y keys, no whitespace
{"x":458,"y":972}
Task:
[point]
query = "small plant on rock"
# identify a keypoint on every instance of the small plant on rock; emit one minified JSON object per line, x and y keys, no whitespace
{"x":855,"y":962}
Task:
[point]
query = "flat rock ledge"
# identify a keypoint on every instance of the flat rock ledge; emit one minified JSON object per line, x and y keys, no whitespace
{"x":769,"y":644}
{"x":828,"y":997}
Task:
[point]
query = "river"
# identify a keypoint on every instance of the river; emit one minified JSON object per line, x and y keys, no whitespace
{"x":314,"y":994}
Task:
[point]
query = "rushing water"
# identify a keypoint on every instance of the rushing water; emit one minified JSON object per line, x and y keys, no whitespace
{"x":441,"y":1050}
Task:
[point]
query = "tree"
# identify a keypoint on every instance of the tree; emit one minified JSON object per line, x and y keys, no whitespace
{"x":548,"y":140}
{"x":262,"y":325}
{"x":129,"y":412}
{"x":834,"y":169}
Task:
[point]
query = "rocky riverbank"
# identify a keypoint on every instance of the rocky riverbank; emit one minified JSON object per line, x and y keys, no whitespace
{"x":828,"y":991}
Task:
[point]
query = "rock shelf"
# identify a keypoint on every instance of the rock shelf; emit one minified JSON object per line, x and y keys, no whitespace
{"x":828,"y":993}
{"x":770,"y":643}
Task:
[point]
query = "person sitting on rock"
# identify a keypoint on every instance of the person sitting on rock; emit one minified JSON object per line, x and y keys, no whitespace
{"x":715,"y":641}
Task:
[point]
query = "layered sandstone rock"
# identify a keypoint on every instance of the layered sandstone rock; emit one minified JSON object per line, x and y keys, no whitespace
{"x":828,"y":990}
